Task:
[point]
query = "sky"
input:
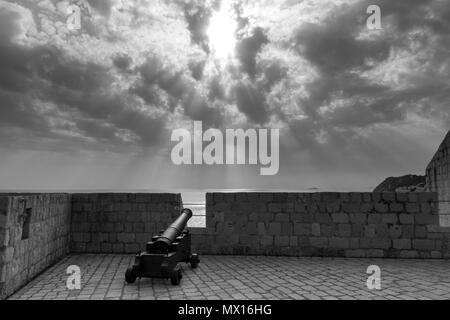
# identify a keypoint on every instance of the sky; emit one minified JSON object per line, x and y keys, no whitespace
{"x":94,"y":108}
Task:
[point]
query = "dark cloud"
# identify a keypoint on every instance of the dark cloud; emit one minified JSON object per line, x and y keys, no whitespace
{"x":76,"y":92}
{"x":251,"y":102}
{"x":197,"y":16}
{"x":273,"y":72}
{"x":197,"y":68}
{"x":181,"y":90}
{"x":248,"y":48}
{"x":122,"y":62}
{"x":103,"y":7}
{"x":340,"y":100}
{"x":216,"y":89}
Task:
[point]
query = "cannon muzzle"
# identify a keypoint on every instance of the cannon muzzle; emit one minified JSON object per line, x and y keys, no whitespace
{"x":164,"y":242}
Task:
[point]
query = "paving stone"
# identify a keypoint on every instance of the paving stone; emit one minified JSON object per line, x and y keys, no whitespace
{"x":258,"y":278}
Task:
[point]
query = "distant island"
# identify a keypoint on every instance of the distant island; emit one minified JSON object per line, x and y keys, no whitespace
{"x":407,"y":183}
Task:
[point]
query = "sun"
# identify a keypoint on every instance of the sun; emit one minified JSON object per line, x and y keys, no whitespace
{"x":221,"y":32}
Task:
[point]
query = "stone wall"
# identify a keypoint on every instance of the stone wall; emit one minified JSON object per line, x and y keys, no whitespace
{"x":402,"y":225}
{"x":120,"y":223}
{"x":438,"y":179}
{"x":34,"y":234}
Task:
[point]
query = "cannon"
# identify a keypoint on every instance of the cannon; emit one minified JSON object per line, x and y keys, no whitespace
{"x":164,"y":252}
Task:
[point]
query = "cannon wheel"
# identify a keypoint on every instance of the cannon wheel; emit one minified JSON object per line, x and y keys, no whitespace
{"x":176,"y":278}
{"x":194,"y":260}
{"x":130,"y":277}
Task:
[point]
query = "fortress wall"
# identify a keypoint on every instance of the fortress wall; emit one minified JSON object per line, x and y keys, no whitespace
{"x":119,"y":223}
{"x":402,"y":225}
{"x":438,"y":179}
{"x":34,"y":234}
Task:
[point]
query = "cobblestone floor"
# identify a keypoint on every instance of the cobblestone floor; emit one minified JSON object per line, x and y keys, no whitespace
{"x":235,"y":277}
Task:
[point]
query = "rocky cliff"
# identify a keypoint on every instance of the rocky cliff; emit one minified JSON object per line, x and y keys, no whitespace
{"x":408,"y":183}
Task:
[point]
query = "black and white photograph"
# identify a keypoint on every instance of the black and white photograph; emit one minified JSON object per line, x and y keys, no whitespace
{"x":224,"y":155}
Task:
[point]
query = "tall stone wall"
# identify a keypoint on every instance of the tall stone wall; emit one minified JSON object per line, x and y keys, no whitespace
{"x":34,"y":234}
{"x":438,"y":179}
{"x":402,"y":225}
{"x":119,"y":223}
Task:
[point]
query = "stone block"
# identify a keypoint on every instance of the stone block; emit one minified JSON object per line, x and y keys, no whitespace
{"x":293,"y":241}
{"x":373,"y":218}
{"x":93,"y":247}
{"x":388,"y":196}
{"x":282,"y":217}
{"x":427,"y":197}
{"x":247,"y":240}
{"x":351,"y":207}
{"x":408,"y":231}
{"x":251,"y":228}
{"x":299,"y":207}
{"x":321,"y":218}
{"x":357,"y":253}
{"x":367,"y":197}
{"x":396,"y":207}
{"x":412,"y":207}
{"x":315,"y":229}
{"x":275,"y":228}
{"x":379,"y":243}
{"x":282,"y":241}
{"x":422,"y":244}
{"x":355,"y":197}
{"x":302,"y":229}
{"x":426,"y":219}
{"x":367,"y":207}
{"x":132,"y":247}
{"x":406,"y":218}
{"x":340,"y":217}
{"x":390,"y":218}
{"x":420,"y":232}
{"x":4,"y":237}
{"x":436,"y":254}
{"x":106,"y":247}
{"x":370,"y":231}
{"x":358,"y":218}
{"x":354,"y":243}
{"x":286,"y":229}
{"x":267,"y":240}
{"x":274,"y":207}
{"x":340,"y":243}
{"x":374,"y":253}
{"x":402,"y":244}
{"x":126,"y":237}
{"x":381,"y":207}
{"x":318,"y":242}
{"x":7,"y":255}
{"x":143,"y":237}
{"x":344,"y":230}
{"x":409,"y":254}
{"x":261,"y":228}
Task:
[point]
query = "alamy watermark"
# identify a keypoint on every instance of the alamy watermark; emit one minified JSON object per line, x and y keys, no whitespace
{"x":374,"y":280}
{"x":74,"y":279}
{"x":374,"y":20}
{"x":73,"y":12}
{"x":232,"y":150}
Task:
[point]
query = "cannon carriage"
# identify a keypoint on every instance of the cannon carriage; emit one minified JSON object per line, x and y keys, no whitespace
{"x":165,"y":252}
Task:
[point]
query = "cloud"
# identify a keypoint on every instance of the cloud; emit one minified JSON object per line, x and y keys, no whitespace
{"x":137,"y":70}
{"x":197,"y":15}
{"x":248,"y":48}
{"x":52,"y":96}
{"x":351,"y":91}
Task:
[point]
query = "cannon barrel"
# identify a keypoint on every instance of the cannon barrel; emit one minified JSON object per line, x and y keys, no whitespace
{"x":173,"y":231}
